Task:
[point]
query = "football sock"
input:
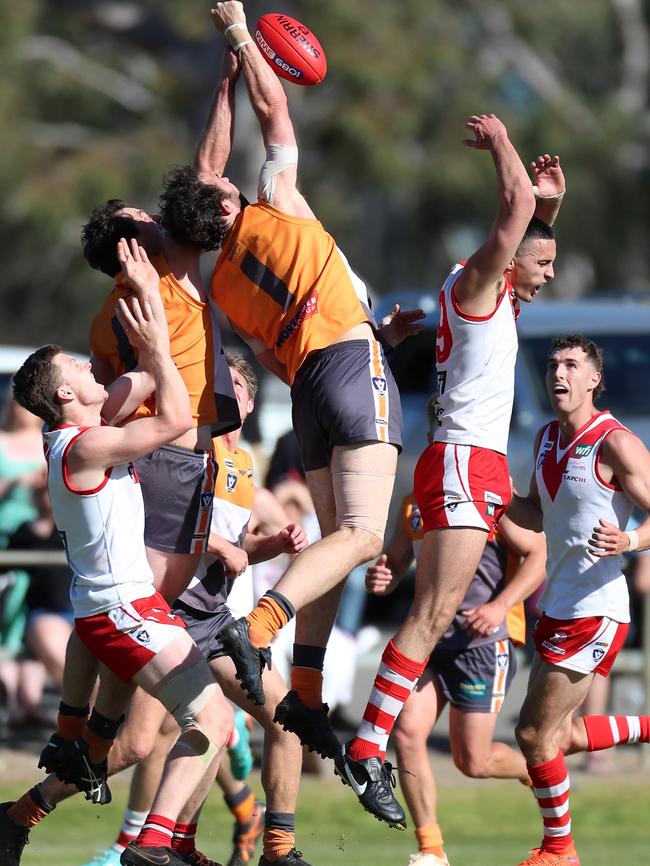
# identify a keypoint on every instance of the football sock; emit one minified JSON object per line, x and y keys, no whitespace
{"x":551,"y":787}
{"x":242,"y":804}
{"x":430,"y":839}
{"x":100,"y":734}
{"x":131,"y":826}
{"x":273,"y":611}
{"x":307,"y":674}
{"x":279,"y":834}
{"x":603,"y":732}
{"x":71,"y":721}
{"x":184,"y":838}
{"x":30,"y":809}
{"x":157,"y":832}
{"x":395,"y":680}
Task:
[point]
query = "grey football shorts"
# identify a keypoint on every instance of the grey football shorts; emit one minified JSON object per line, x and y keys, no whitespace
{"x":343,"y":395}
{"x":477,"y":679}
{"x":178,"y":489}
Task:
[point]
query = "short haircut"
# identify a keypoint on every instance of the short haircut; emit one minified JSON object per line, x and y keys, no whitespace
{"x":190,"y":211}
{"x":537,"y":230}
{"x":591,"y":350}
{"x":35,"y":385}
{"x":245,"y":370}
{"x":100,"y":236}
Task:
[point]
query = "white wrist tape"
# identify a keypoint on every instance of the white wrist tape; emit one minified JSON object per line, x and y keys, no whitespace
{"x":556,"y":197}
{"x":633,"y":536}
{"x":240,"y":25}
{"x":241,"y":44}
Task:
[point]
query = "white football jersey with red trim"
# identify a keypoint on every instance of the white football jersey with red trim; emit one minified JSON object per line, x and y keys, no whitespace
{"x":574,"y":497}
{"x":475,"y":360}
{"x":102,"y":530}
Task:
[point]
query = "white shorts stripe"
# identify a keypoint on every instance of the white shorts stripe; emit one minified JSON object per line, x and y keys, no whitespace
{"x":614,"y":727}
{"x":553,"y":791}
{"x":460,"y":510}
{"x":377,"y":373}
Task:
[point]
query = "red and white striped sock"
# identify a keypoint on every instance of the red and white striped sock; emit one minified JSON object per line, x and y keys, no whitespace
{"x":551,"y":787}
{"x":603,"y":732}
{"x":131,"y":826}
{"x":157,"y":832}
{"x":396,"y":678}
{"x":184,"y":839}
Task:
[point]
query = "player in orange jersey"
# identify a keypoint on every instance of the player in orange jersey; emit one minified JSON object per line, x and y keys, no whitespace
{"x":290,"y":293}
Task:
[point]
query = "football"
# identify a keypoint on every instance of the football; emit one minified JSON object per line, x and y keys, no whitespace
{"x":291,"y":49}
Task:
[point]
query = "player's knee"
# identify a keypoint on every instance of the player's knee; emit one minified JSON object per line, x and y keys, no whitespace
{"x":366,"y":542}
{"x":471,"y":764}
{"x":527,"y":735}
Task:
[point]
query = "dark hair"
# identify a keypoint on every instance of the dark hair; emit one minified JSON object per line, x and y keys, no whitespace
{"x":245,"y":369}
{"x":100,"y":235}
{"x":537,"y":230}
{"x":591,"y":350}
{"x":35,"y":385}
{"x":190,"y":210}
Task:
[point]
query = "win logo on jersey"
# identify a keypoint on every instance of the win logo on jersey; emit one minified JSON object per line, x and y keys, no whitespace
{"x":582,"y":450}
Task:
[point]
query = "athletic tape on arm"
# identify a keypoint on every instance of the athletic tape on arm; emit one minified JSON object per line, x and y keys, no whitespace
{"x":278,"y":157}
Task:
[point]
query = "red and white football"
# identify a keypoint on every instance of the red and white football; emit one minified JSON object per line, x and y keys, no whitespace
{"x":291,"y":49}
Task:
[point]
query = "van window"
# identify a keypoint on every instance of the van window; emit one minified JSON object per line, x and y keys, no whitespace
{"x":627,"y":367}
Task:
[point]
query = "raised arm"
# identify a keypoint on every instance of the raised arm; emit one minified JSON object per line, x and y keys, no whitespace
{"x":480,"y":283}
{"x":269,"y":103}
{"x":213,"y":149}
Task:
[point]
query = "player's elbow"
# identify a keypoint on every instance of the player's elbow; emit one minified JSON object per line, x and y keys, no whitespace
{"x":519,"y":200}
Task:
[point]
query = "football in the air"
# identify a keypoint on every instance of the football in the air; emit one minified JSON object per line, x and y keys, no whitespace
{"x":291,"y":49}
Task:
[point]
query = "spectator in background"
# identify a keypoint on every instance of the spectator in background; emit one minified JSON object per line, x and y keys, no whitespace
{"x":50,"y":618}
{"x":22,"y":467}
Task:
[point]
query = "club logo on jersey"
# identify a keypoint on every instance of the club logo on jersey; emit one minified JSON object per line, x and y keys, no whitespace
{"x":451,"y":506}
{"x":231,"y":482}
{"x":206,"y":500}
{"x":558,"y":637}
{"x":598,"y":654}
{"x":492,"y":497}
{"x":490,"y":509}
{"x":582,"y":450}
{"x":545,"y":451}
{"x":379,"y":384}
{"x":228,"y":463}
{"x":502,"y":661}
{"x":143,"y":636}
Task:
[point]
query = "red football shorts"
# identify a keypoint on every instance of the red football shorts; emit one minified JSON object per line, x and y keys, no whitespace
{"x":461,"y":485}
{"x":126,"y":638}
{"x":587,"y":645}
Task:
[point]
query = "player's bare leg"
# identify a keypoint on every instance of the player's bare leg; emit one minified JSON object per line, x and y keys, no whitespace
{"x":172,"y":571}
{"x":476,"y":754}
{"x":418,"y":783}
{"x":359,"y":483}
{"x":447,"y":562}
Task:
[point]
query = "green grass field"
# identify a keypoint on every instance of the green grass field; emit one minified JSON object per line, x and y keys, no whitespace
{"x":485,"y":824}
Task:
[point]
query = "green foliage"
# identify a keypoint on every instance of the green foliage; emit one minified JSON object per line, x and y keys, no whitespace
{"x":97,"y":99}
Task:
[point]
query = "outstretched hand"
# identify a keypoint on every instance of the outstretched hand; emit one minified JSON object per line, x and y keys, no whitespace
{"x":548,"y":176}
{"x":225,"y":14}
{"x":398,"y":325}
{"x":141,"y":326}
{"x":487,"y":128}
{"x":137,"y":270}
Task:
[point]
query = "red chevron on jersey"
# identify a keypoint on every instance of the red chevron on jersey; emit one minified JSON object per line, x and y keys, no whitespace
{"x":553,"y":457}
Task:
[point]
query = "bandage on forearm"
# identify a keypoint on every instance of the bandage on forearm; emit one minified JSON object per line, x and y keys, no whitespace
{"x":633,"y":537}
